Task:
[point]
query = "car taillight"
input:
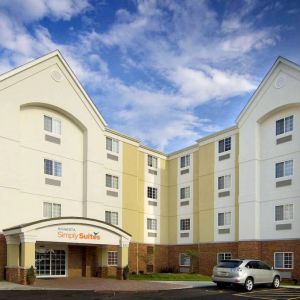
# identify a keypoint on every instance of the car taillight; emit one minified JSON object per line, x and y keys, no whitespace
{"x":237,"y":270}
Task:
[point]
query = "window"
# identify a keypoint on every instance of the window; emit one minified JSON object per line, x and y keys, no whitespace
{"x":185,"y":161}
{"x":224,"y":219}
{"x":152,"y":192}
{"x":185,"y":192}
{"x":223,"y":255}
{"x":151,"y":224}
{"x":283,"y":260}
{"x":284,"y":125}
{"x":112,"y":258}
{"x":185,"y":224}
{"x":52,"y":167}
{"x":224,"y":182}
{"x":52,"y":125}
{"x":111,"y":217}
{"x":184,"y":260}
{"x":112,"y":181}
{"x":284,"y":169}
{"x":152,"y":161}
{"x":112,"y":145}
{"x":284,"y":212}
{"x":225,"y":145}
{"x":51,"y":210}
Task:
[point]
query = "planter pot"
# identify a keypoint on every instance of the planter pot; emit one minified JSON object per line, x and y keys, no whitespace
{"x":125,"y":276}
{"x":30,"y":280}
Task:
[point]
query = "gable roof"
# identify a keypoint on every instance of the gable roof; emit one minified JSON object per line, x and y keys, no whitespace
{"x":279,"y":60}
{"x":41,"y":59}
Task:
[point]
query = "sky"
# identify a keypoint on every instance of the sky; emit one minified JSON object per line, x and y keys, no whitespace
{"x":165,"y":72}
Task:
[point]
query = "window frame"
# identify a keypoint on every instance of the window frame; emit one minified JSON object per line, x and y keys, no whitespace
{"x":153,"y":224}
{"x":186,"y":192}
{"x":225,"y":213}
{"x":223,"y":142}
{"x":109,"y":217}
{"x":283,"y":262}
{"x":53,"y":120}
{"x":114,"y":179}
{"x":115,"y":147}
{"x":185,"y":223}
{"x":185,"y":161}
{"x":51,"y":204}
{"x":224,"y":254}
{"x":152,"y":161}
{"x":112,"y":261}
{"x":225,"y":182}
{"x":152,"y":192}
{"x":284,"y":125}
{"x":284,"y":170}
{"x":186,"y":257}
{"x":54,"y":164}
{"x":290,"y":213}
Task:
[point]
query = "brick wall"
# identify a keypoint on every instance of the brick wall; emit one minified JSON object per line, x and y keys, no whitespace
{"x":2,"y":256}
{"x":268,"y":249}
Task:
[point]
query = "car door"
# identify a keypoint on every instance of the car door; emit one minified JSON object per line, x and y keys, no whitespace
{"x":266,"y":272}
{"x":256,"y":272}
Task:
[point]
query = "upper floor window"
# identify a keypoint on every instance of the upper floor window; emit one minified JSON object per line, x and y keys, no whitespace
{"x":51,"y":210}
{"x":185,"y":161}
{"x":52,"y":125}
{"x":185,"y":192}
{"x":112,"y":258}
{"x":224,"y":182}
{"x":152,"y":161}
{"x":284,"y":125}
{"x":224,"y":219}
{"x":112,"y":145}
{"x":283,"y":260}
{"x":111,"y":217}
{"x":185,"y":224}
{"x":151,"y":224}
{"x":283,"y":169}
{"x":225,"y":145}
{"x":52,"y":167}
{"x":112,"y":181}
{"x":223,"y":255}
{"x":152,"y":192}
{"x":284,"y":212}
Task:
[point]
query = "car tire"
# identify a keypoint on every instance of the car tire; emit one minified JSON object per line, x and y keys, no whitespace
{"x":276,"y":282}
{"x":249,"y":284}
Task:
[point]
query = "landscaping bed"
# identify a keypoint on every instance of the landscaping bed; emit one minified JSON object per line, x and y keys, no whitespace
{"x":170,"y":277}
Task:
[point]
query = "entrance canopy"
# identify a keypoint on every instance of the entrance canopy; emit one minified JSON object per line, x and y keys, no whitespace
{"x":75,"y":230}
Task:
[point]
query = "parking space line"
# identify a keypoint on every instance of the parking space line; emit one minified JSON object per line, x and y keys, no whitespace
{"x":279,"y":294}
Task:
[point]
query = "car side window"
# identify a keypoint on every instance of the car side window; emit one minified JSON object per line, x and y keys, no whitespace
{"x":264,"y":266}
{"x":250,"y":265}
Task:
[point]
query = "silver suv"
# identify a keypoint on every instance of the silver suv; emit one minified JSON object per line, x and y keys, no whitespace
{"x":246,"y":272}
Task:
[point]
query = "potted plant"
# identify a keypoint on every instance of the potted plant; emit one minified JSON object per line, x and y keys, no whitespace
{"x":125,"y":272}
{"x":31,"y":275}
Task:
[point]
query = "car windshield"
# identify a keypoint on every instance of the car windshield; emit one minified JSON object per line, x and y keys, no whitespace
{"x":229,"y":264}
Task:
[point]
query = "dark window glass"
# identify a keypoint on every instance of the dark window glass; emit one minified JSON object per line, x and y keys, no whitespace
{"x":229,"y":264}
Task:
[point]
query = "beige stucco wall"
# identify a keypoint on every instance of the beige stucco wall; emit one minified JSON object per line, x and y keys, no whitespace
{"x":206,"y":193}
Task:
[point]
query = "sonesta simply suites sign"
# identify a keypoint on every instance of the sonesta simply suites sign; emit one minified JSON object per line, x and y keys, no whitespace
{"x":77,"y":233}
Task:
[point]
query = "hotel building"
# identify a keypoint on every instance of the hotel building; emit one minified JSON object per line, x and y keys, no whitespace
{"x":80,"y":199}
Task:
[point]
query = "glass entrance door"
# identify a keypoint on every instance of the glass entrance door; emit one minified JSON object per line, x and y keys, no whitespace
{"x":50,"y":262}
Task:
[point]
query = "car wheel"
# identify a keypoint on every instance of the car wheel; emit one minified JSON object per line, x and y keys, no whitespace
{"x":249,"y":284}
{"x":276,"y":282}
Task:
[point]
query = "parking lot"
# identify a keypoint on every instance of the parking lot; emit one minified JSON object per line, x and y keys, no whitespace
{"x":210,"y":293}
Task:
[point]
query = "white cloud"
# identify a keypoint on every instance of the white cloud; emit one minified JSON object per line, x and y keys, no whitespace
{"x":34,"y":10}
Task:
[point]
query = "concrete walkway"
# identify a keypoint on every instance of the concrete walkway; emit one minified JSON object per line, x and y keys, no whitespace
{"x":191,"y":284}
{"x":5,"y":285}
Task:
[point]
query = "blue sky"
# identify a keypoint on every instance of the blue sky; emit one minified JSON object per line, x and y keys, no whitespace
{"x":165,"y":72}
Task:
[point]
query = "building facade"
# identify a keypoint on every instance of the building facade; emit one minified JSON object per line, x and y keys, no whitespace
{"x":80,"y":199}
